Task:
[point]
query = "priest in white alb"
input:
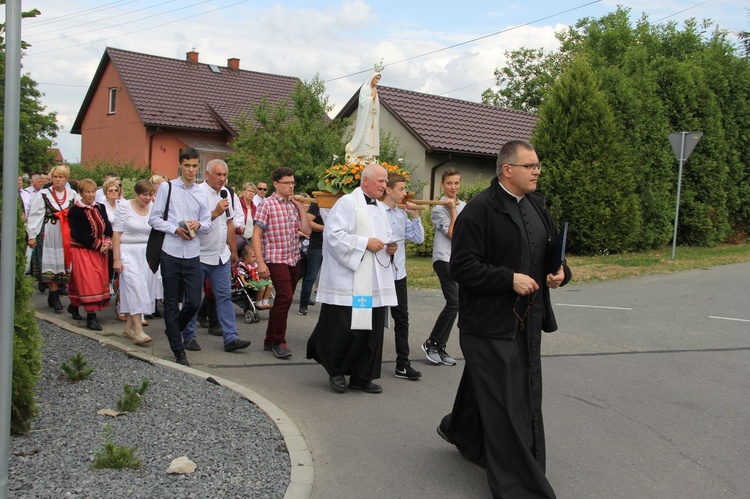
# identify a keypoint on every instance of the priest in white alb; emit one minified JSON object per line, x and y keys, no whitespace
{"x":356,"y":287}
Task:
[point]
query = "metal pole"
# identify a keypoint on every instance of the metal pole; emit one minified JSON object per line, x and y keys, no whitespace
{"x":679,"y":185}
{"x":10,"y":221}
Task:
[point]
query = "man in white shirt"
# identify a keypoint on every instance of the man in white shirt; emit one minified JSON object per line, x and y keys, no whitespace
{"x":180,"y":254}
{"x":262,"y":190}
{"x":218,"y":253}
{"x":36,"y":185}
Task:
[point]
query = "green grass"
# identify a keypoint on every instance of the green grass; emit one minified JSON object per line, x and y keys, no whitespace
{"x":606,"y":267}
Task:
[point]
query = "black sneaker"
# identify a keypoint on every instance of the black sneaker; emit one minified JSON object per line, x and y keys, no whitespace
{"x":181,"y":359}
{"x":192,"y":345}
{"x":408,"y":372}
{"x":237,"y":344}
{"x":302,"y":310}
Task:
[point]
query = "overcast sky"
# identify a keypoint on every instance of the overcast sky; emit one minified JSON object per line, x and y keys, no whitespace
{"x":333,"y":38}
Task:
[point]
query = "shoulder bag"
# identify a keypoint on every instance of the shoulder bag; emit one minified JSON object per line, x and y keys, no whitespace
{"x":156,"y":240}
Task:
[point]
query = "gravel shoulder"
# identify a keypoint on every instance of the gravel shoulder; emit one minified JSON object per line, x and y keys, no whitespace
{"x":238,"y":450}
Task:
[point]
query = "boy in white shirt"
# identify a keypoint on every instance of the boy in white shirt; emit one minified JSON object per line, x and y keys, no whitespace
{"x":405,"y":224}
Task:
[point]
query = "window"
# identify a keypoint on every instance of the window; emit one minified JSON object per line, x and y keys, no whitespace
{"x":112,"y":100}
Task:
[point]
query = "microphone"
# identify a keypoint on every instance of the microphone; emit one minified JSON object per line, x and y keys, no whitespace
{"x":223,"y":194}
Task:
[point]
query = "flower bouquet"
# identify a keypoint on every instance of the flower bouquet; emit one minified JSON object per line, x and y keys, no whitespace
{"x":345,"y":178}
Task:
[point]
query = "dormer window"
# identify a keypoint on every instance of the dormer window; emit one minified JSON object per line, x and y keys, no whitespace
{"x":112,"y":100}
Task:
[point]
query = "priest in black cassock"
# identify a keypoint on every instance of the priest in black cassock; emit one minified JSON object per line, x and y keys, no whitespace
{"x":499,"y":259}
{"x":356,"y":286}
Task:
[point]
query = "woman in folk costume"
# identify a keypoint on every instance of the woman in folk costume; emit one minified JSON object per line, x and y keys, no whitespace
{"x":131,"y":231}
{"x":49,"y":235}
{"x":90,"y":242}
{"x":365,"y":145}
{"x":356,"y":287}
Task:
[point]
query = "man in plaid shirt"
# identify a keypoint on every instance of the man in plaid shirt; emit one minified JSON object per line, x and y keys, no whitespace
{"x":278,"y":220}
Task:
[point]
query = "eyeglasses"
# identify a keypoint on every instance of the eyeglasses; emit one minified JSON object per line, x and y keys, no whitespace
{"x":529,"y":166}
{"x":288,"y":182}
{"x":262,"y":188}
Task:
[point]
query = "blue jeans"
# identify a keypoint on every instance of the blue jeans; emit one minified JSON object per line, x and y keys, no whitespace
{"x":180,"y":275}
{"x":314,"y":260}
{"x":220,"y":277}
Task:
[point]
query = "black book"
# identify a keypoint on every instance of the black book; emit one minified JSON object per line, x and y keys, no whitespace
{"x":557,"y":253}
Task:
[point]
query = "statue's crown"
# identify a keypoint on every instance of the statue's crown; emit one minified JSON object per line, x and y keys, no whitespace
{"x":379,"y":66}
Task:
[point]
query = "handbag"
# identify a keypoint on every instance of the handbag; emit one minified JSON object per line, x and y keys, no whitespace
{"x":156,"y":240}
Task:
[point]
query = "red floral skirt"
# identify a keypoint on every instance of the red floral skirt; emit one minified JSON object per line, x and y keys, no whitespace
{"x":89,"y":279}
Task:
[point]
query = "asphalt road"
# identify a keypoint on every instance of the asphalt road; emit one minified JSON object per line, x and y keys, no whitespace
{"x":646,"y":395}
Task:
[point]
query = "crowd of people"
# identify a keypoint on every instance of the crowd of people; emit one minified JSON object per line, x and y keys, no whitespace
{"x":490,"y":255}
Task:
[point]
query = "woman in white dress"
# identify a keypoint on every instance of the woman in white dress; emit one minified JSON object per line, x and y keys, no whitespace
{"x":131,"y":230}
{"x":49,"y":234}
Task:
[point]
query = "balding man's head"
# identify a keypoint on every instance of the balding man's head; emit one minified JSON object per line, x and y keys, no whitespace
{"x":374,"y":180}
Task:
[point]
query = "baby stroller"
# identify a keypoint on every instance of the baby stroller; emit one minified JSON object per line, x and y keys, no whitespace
{"x":244,"y":297}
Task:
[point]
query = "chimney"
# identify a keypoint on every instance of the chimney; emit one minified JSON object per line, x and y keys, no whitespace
{"x":192,"y":57}
{"x":233,"y":63}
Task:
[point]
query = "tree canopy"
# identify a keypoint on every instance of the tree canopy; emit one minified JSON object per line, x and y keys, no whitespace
{"x":296,"y":133}
{"x":37,"y":127}
{"x":608,"y":98}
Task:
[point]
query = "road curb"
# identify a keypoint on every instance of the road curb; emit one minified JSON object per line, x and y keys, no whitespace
{"x":300,"y":456}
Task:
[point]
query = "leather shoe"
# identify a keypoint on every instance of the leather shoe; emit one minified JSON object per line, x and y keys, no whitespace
{"x":367,"y":388}
{"x":181,"y":359}
{"x":73,"y":311}
{"x":215,"y":331}
{"x":338,"y":383}
{"x":191,"y":345}
{"x":237,"y":344}
{"x":92,"y":323}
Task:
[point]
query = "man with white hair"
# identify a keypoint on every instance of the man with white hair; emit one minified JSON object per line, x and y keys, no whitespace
{"x":356,"y":286}
{"x":218,"y":253}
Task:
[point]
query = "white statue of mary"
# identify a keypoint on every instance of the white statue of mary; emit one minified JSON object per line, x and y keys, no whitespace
{"x":365,"y":145}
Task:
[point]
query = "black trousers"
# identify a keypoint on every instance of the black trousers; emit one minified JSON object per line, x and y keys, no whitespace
{"x":180,"y":275}
{"x":441,"y":331}
{"x":400,"y":314}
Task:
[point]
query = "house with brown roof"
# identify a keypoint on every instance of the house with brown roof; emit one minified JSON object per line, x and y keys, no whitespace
{"x":438,"y":132}
{"x":56,"y":154}
{"x":143,"y":108}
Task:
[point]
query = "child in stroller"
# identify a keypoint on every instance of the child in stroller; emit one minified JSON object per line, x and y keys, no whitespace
{"x":248,"y":290}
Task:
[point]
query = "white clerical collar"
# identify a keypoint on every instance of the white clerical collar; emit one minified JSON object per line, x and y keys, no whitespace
{"x":518,"y":198}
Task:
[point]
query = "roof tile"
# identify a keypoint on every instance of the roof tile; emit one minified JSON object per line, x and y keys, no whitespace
{"x":175,"y":93}
{"x":443,"y":124}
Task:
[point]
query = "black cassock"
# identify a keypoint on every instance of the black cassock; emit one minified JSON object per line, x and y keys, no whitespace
{"x":342,"y":350}
{"x":497,"y":414}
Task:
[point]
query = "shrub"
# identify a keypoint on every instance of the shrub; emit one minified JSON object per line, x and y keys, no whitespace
{"x":133,"y":397}
{"x":116,"y":457}
{"x":424,"y":249}
{"x":76,"y":370}
{"x":129,"y":173}
{"x":27,"y":343}
{"x":468,"y":192}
